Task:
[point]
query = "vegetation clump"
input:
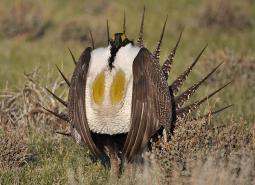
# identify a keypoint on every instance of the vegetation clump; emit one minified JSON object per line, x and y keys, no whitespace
{"x":23,"y":19}
{"x":227,"y":14}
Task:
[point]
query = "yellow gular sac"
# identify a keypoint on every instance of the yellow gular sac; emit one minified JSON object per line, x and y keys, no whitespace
{"x":117,"y":88}
{"x":98,"y":88}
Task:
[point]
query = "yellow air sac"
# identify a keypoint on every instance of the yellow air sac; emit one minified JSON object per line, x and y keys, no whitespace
{"x":117,"y":89}
{"x":98,"y":88}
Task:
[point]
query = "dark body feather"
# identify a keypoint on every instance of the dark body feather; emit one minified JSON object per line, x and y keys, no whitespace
{"x":151,"y":107}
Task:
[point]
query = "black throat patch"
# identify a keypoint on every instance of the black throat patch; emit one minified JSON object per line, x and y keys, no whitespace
{"x":117,"y":41}
{"x":114,"y":51}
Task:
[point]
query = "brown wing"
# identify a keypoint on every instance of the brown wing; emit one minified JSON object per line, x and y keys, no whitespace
{"x":151,"y":107}
{"x":76,"y":106}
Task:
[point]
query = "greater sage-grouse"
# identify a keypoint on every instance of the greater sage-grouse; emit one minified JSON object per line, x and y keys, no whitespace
{"x":119,"y":98}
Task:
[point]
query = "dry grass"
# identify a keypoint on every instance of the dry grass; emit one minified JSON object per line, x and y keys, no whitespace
{"x":25,"y":106}
{"x":22,"y":111}
{"x":14,"y":149}
{"x":202,"y":153}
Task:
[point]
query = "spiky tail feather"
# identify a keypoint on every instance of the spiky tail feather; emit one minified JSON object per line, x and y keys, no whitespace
{"x":124,"y":23}
{"x":184,"y":111}
{"x":68,"y":134}
{"x":57,"y":98}
{"x":71,"y":53}
{"x":156,"y":53}
{"x":62,"y":116}
{"x":167,"y":65}
{"x":183,"y":97}
{"x":92,"y":39}
{"x":140,"y":38}
{"x":176,"y":85}
{"x":214,"y":112}
{"x":63,"y":76}
{"x":108,"y":32}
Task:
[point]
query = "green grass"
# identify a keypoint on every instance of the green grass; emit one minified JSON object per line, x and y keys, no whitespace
{"x":58,"y":159}
{"x":56,"y":163}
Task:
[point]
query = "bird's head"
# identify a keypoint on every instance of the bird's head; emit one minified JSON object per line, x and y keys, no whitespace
{"x":119,"y":40}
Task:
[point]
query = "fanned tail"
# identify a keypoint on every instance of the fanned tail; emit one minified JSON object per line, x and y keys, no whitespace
{"x":179,"y":112}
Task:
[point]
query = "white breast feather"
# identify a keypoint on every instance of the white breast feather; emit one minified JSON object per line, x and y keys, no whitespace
{"x":114,"y":119}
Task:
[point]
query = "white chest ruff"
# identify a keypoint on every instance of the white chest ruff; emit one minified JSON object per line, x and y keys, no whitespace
{"x":107,"y":118}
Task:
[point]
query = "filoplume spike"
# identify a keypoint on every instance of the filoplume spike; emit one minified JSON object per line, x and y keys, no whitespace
{"x":156,"y":52}
{"x":176,"y":85}
{"x":167,"y":65}
{"x":140,"y":42}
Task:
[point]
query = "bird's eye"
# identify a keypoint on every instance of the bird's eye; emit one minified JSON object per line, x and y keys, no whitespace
{"x":123,"y":37}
